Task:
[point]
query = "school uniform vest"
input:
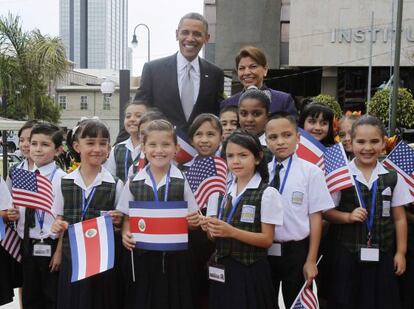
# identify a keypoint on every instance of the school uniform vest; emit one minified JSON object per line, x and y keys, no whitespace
{"x":354,"y":236}
{"x":119,"y":154}
{"x":240,"y":251}
{"x":143,"y":192}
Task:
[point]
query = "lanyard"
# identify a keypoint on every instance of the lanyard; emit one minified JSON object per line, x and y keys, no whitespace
{"x":282,"y":187}
{"x":126,"y":163}
{"x":234,"y":203}
{"x":40,"y":215}
{"x":86,"y":201}
{"x":154,"y":184}
{"x":370,"y":221}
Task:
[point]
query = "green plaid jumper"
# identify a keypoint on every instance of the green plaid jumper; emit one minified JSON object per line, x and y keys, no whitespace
{"x":240,"y":251}
{"x":354,"y":236}
{"x":119,"y":154}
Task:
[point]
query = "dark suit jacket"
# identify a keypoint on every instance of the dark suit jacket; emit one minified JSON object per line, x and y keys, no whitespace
{"x":159,"y":87}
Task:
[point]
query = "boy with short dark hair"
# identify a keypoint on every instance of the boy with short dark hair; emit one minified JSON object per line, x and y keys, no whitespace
{"x":305,"y":196}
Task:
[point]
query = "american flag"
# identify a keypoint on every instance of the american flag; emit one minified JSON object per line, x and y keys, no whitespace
{"x":401,"y":159}
{"x":310,"y":149}
{"x":31,"y":190}
{"x":11,"y":242}
{"x":337,"y":174}
{"x":206,"y":176}
{"x":306,"y":300}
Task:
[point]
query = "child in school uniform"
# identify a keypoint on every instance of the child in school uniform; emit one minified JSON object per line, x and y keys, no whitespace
{"x":127,"y":153}
{"x":162,"y":279}
{"x":205,"y":135}
{"x":293,"y":255}
{"x":34,"y":226}
{"x":317,"y":119}
{"x":6,"y":278}
{"x":369,"y":227}
{"x":406,"y":281}
{"x":243,"y":230}
{"x":89,"y":191}
{"x":253,"y":112}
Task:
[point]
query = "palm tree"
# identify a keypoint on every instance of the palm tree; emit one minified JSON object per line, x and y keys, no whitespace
{"x":29,"y":62}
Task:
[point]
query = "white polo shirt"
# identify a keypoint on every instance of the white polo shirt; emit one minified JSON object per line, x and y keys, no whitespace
{"x":271,"y":211}
{"x":54,"y":174}
{"x":103,"y":176}
{"x":127,"y":196}
{"x":305,"y":193}
{"x":134,"y":152}
{"x":400,"y":196}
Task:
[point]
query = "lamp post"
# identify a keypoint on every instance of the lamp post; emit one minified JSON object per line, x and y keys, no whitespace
{"x":134,"y":41}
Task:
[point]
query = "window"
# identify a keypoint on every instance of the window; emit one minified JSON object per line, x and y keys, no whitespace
{"x":84,"y":102}
{"x":106,"y":103}
{"x":62,"y":102}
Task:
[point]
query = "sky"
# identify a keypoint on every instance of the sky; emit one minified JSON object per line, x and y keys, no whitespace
{"x":161,"y":16}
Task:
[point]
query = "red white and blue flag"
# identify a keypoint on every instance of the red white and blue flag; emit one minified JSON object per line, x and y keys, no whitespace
{"x":92,"y":247}
{"x":11,"y":241}
{"x":159,"y":226}
{"x":337,"y":173}
{"x":310,"y":149}
{"x":306,"y":300}
{"x":207,"y":176}
{"x":186,"y":152}
{"x":31,"y":190}
{"x":401,"y":159}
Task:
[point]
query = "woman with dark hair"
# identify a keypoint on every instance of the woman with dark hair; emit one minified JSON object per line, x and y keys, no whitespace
{"x":251,"y":68}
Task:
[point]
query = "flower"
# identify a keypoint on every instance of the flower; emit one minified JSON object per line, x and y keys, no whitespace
{"x":73,"y":166}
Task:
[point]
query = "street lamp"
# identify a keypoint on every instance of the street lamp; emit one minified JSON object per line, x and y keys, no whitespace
{"x":134,"y":41}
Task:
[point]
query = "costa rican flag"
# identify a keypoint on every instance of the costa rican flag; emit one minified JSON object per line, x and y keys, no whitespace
{"x":2,"y":229}
{"x":401,"y":159}
{"x":31,"y":190}
{"x":306,"y":300}
{"x":92,"y":247}
{"x":207,"y":176}
{"x":337,"y":174}
{"x":159,"y":226}
{"x":186,"y":152}
{"x":310,"y":149}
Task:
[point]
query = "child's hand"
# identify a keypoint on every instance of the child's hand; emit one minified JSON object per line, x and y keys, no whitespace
{"x":55,"y":260}
{"x":59,"y":226}
{"x":116,"y":217}
{"x":399,"y":264}
{"x":358,"y":215}
{"x":310,"y":271}
{"x":13,"y":214}
{"x":128,"y":241}
{"x":204,"y":223}
{"x":194,"y":219}
{"x":219,"y":228}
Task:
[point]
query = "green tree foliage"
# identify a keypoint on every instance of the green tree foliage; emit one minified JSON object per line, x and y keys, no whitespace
{"x":379,"y":107}
{"x":29,"y":63}
{"x":330,"y":101}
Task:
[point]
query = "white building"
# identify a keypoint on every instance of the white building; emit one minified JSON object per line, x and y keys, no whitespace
{"x":95,"y":32}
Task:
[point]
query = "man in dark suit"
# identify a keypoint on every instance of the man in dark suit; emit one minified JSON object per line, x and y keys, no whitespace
{"x":183,"y":85}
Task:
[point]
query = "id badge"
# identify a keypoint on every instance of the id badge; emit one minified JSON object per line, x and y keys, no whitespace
{"x":42,"y":250}
{"x":247,"y":214}
{"x":369,"y":254}
{"x":386,"y":208}
{"x":216,"y":273}
{"x":297,"y":198}
{"x":275,"y":249}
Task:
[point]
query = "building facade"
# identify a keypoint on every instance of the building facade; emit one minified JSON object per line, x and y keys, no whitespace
{"x":315,"y":46}
{"x":95,"y":32}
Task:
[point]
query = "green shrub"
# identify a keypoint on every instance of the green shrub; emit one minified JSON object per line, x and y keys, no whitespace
{"x":330,"y":101}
